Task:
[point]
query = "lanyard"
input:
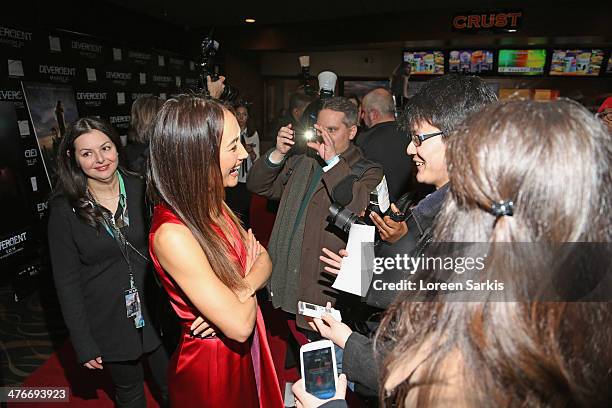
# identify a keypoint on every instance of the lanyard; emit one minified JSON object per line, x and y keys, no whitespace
{"x":121,"y":242}
{"x":114,"y":231}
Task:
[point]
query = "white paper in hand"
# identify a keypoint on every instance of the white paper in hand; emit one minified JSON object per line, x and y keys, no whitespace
{"x":383,"y":195}
{"x":350,"y":279}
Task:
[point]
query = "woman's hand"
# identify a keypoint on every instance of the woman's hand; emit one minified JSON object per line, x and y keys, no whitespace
{"x":305,"y":400}
{"x":94,"y":364}
{"x":202,"y":328}
{"x":332,"y":329}
{"x":254,"y":249}
{"x":333,"y":260}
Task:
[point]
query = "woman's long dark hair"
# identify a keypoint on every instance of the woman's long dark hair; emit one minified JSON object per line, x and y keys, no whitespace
{"x":185,"y":175}
{"x":554,"y":161}
{"x":71,"y":181}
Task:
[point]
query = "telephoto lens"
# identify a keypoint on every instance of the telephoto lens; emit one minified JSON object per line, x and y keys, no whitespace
{"x":343,"y":218}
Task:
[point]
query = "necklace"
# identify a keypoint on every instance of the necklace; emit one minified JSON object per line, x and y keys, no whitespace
{"x":91,"y":191}
{"x":105,"y":198}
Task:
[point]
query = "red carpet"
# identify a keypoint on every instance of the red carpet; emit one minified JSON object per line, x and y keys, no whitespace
{"x":90,"y":388}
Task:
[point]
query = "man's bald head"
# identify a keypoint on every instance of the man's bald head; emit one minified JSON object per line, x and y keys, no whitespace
{"x":378,"y":107}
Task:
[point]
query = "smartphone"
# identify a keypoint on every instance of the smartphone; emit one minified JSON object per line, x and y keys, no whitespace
{"x":318,"y":362}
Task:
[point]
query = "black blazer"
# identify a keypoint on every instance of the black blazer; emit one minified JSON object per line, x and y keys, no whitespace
{"x":91,"y":277}
{"x":386,"y":144}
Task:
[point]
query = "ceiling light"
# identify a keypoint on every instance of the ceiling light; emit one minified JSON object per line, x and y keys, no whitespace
{"x":512,"y":31}
{"x":249,"y":20}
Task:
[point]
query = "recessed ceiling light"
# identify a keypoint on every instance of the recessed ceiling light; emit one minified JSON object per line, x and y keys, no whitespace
{"x":249,"y":20}
{"x":512,"y":31}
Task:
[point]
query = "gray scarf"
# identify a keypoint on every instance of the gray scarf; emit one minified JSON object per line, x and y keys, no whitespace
{"x":285,"y":244}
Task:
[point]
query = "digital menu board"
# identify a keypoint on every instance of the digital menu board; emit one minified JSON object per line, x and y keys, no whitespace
{"x":425,"y":62}
{"x":576,"y":62}
{"x":470,"y":61}
{"x":521,"y":62}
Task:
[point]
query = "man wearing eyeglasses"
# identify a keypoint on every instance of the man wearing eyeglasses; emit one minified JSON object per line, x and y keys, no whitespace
{"x":430,"y":117}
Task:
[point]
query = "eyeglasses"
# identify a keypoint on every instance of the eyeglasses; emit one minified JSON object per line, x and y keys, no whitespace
{"x":419,"y":139}
{"x":605,"y":115}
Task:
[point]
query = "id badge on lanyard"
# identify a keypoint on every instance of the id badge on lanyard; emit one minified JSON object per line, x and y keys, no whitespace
{"x":132,"y":298}
{"x":133,"y":307}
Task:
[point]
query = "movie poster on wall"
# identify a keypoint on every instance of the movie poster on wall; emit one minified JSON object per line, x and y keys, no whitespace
{"x":52,"y":107}
{"x":14,"y":204}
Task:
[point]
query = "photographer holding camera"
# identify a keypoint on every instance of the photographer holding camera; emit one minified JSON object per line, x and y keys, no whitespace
{"x":304,"y":185}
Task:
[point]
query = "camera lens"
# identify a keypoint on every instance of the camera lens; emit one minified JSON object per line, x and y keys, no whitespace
{"x":342,"y":218}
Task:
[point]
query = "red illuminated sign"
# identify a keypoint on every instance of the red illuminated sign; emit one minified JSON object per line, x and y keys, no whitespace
{"x":488,"y":21}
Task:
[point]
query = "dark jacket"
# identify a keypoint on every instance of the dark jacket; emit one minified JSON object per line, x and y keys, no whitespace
{"x":91,"y":277}
{"x":420,"y":224}
{"x":386,"y":144}
{"x":359,"y":363}
{"x":136,"y":156}
{"x":297,"y":274}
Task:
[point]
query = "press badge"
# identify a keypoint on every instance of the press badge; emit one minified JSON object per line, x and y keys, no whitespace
{"x":132,"y":305}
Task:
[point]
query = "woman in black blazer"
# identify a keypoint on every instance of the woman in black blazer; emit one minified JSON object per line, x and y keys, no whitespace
{"x":98,"y":234}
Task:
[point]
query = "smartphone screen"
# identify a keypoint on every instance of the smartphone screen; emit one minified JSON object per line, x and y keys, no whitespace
{"x":319,"y":373}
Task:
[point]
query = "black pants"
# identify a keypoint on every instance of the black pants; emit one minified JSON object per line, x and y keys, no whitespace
{"x":239,"y":200}
{"x":128,"y":379}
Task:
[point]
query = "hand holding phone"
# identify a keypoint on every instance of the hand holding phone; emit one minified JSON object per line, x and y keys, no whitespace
{"x":319,"y":370}
{"x":306,"y":400}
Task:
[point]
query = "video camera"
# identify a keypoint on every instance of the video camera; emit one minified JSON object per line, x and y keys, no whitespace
{"x":209,"y":68}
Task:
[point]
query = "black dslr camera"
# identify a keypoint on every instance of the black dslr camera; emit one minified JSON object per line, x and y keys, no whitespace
{"x":344,"y":218}
{"x":208,"y":67}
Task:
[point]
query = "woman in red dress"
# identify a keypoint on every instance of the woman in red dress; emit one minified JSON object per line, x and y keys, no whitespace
{"x":207,"y":262}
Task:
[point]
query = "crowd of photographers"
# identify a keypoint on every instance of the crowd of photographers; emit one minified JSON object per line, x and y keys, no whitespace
{"x":320,"y":161}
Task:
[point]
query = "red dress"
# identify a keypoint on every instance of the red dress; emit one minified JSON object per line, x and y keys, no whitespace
{"x":216,"y":372}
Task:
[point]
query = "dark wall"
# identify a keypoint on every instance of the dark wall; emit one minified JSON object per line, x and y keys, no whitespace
{"x":45,"y":46}
{"x":104,"y":20}
{"x":559,"y":19}
{"x":242,"y":70}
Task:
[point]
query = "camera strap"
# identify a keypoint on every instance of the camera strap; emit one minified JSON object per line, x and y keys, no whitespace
{"x":342,"y":193}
